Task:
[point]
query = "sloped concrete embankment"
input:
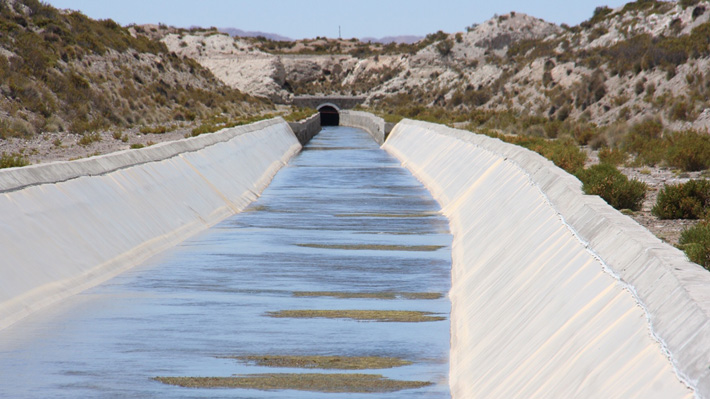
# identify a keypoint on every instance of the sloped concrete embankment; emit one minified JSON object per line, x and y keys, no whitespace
{"x":67,"y":226}
{"x":306,"y":129}
{"x":554,"y":293}
{"x":373,"y":125}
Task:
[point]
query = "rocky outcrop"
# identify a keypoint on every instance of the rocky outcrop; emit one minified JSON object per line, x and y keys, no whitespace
{"x":621,"y":64}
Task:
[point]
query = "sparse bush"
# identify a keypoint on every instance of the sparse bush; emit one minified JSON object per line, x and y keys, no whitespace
{"x":645,"y":142}
{"x":688,"y":150}
{"x":89,"y":138}
{"x":136,"y":146}
{"x":562,"y":152}
{"x":159,"y":129}
{"x":613,"y":186}
{"x":683,"y":201}
{"x":612,"y":156}
{"x":639,"y":87}
{"x":13,"y":160}
{"x":590,"y":90}
{"x":681,"y":110}
{"x":695,"y":242}
{"x":444,"y":47}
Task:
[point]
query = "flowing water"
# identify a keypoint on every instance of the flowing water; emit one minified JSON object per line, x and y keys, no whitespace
{"x":342,"y":217}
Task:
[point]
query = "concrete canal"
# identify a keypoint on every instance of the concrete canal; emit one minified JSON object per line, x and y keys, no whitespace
{"x":332,"y":285}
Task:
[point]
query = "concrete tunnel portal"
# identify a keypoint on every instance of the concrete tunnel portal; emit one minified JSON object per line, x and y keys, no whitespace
{"x":329,"y":114}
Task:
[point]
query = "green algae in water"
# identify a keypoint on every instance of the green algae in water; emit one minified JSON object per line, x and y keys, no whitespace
{"x":334,"y":383}
{"x":404,"y":316}
{"x":323,"y":362}
{"x":387,"y":215}
{"x":370,"y":295}
{"x":375,"y":247}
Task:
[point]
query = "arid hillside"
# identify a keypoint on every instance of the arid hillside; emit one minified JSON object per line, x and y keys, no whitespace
{"x":63,"y":72}
{"x":647,"y":58}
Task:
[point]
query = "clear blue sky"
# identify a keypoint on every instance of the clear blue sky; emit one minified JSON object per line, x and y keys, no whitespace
{"x":307,"y":18}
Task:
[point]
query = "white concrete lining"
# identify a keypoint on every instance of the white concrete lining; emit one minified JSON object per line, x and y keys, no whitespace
{"x":524,"y":323}
{"x":372,"y":124}
{"x":67,"y":226}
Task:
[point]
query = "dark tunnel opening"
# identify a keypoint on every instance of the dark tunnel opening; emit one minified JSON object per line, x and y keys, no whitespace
{"x":329,"y":116}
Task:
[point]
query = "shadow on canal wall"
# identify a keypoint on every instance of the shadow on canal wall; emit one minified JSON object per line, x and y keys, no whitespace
{"x":67,"y":226}
{"x":555,"y":293}
{"x":306,"y":129}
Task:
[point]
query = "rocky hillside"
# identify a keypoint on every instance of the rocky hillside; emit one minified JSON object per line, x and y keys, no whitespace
{"x":62,"y":71}
{"x":647,"y":58}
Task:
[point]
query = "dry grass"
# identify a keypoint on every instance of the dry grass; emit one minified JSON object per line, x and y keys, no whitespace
{"x":351,"y":383}
{"x":402,"y":316}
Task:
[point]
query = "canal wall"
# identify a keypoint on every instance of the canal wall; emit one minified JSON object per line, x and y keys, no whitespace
{"x":373,"y":125}
{"x":67,"y":226}
{"x":555,"y":293}
{"x":306,"y":129}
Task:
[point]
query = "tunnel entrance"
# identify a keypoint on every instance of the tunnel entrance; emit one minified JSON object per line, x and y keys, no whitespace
{"x":329,"y":116}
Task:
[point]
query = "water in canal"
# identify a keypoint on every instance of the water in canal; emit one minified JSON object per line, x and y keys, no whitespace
{"x":343,"y":217}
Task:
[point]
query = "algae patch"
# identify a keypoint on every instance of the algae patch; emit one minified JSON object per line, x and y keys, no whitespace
{"x":405,"y":316}
{"x":375,"y":247}
{"x":369,"y":295}
{"x":386,"y":215}
{"x":324,"y":362}
{"x":347,"y":383}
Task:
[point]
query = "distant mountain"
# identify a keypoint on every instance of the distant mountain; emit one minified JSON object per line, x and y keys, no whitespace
{"x":408,"y":39}
{"x":234,"y":32}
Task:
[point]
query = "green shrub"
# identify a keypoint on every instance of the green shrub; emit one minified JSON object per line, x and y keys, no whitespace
{"x":444,"y":47}
{"x":613,"y":186}
{"x":683,"y":201}
{"x":137,"y":146}
{"x":688,"y":150}
{"x":695,"y":242}
{"x":566,"y":154}
{"x":13,"y":160}
{"x":612,"y":156}
{"x":645,"y":142}
{"x":562,"y":152}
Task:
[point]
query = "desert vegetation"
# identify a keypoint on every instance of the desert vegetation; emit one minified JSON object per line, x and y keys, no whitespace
{"x":62,"y":71}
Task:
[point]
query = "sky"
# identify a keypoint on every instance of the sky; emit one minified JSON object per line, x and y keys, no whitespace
{"x":299,"y":19}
